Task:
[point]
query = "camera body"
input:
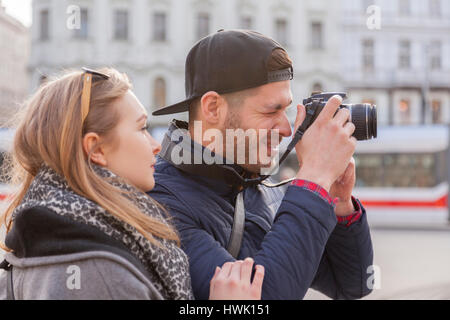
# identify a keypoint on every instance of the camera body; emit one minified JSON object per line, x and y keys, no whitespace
{"x":362,"y":115}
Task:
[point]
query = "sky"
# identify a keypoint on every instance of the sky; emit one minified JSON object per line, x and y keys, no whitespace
{"x":19,"y":9}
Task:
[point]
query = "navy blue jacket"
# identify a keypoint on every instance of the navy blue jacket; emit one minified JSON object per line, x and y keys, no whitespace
{"x":294,"y":235}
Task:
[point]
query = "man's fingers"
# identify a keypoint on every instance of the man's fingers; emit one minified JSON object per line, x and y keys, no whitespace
{"x":349,"y":128}
{"x":330,"y":108}
{"x":301,"y":114}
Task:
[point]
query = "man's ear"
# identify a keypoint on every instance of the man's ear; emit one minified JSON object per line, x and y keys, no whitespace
{"x":212,"y":107}
{"x":91,"y":144}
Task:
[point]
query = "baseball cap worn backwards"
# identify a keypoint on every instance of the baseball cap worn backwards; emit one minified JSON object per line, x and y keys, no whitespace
{"x":227,"y":61}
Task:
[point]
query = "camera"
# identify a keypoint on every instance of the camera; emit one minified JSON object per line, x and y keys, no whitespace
{"x":362,"y":115}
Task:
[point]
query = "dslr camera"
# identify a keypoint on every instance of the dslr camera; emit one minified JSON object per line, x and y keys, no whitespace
{"x":362,"y":115}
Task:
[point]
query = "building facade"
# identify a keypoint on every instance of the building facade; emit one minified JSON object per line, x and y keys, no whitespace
{"x":404,"y":67}
{"x":14,"y":55}
{"x":150,"y":39}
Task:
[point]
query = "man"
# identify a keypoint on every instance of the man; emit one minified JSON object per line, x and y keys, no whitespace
{"x":238,"y":79}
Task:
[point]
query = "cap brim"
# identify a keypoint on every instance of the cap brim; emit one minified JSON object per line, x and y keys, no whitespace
{"x":174,"y":108}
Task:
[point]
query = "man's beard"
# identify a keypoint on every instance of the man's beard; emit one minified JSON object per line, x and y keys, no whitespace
{"x":234,"y":122}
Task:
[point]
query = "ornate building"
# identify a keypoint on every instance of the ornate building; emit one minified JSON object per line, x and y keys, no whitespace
{"x":14,"y":54}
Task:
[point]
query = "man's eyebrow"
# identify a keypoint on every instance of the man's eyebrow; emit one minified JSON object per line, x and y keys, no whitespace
{"x":278,"y":106}
{"x":144,"y":116}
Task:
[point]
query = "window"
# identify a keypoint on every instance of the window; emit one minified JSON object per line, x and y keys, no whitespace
{"x":436,"y":111}
{"x":404,"y":7}
{"x":203,"y":22}
{"x":281,"y":31}
{"x":246,"y":22}
{"x":404,"y":109}
{"x":435,"y":55}
{"x":82,"y":32}
{"x":316,"y":35}
{"x":435,"y":8}
{"x":121,"y":24}
{"x":159,"y":27}
{"x":368,"y":55}
{"x":159,"y":92}
{"x":44,"y":26}
{"x":401,"y":170}
{"x":404,"y":58}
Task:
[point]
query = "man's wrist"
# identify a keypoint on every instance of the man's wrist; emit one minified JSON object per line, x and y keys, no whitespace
{"x":344,"y":208}
{"x":324,"y":183}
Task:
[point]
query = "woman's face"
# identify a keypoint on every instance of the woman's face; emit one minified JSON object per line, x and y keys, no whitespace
{"x":132,"y":151}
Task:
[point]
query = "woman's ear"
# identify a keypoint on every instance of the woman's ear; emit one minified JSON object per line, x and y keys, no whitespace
{"x":91,"y":144}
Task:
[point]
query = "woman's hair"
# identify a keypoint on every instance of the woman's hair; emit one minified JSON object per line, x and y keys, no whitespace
{"x":50,"y":132}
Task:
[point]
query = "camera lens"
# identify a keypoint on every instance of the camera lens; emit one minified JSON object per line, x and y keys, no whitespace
{"x":364,"y":117}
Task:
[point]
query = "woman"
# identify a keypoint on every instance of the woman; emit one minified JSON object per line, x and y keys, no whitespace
{"x":80,"y":225}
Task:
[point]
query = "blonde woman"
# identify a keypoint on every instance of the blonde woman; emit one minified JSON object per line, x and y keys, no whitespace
{"x":80,"y":225}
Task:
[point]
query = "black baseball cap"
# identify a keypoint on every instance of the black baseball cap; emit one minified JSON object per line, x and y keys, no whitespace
{"x":227,"y":61}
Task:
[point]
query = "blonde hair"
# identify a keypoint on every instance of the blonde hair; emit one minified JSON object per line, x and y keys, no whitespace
{"x":50,"y":132}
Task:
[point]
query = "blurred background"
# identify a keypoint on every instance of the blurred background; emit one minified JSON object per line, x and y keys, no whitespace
{"x":391,"y":53}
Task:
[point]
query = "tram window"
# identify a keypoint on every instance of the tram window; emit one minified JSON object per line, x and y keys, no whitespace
{"x":400,"y":170}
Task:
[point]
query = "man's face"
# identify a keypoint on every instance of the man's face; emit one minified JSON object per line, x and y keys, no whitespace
{"x":264,"y":111}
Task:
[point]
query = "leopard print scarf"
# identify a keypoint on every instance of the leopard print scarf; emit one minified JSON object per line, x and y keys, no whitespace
{"x":168,"y":267}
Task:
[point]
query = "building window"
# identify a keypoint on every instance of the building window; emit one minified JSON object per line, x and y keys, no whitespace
{"x":121,"y":24}
{"x":82,"y":32}
{"x":435,"y":8}
{"x":203,"y":22}
{"x":159,"y":92}
{"x":159,"y":26}
{"x":404,"y":7}
{"x":246,"y":22}
{"x":368,"y":52}
{"x":435,"y":55}
{"x":436,"y":111}
{"x":404,"y":108}
{"x":316,"y":35}
{"x":281,"y":32}
{"x":404,"y":54}
{"x":44,"y":25}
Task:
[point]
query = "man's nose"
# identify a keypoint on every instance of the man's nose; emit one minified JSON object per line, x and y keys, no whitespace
{"x":284,"y":126}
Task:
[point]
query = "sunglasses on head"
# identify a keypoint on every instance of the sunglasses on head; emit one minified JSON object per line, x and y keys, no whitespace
{"x":88,"y":75}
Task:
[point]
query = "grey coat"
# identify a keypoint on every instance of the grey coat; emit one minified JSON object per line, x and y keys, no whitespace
{"x":78,"y":276}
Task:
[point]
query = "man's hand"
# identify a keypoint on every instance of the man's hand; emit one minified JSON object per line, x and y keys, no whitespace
{"x":327,"y":146}
{"x":342,"y":188}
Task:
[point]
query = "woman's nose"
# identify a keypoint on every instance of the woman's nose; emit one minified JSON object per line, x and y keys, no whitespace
{"x":156,"y":146}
